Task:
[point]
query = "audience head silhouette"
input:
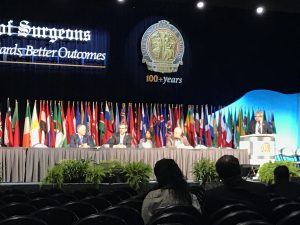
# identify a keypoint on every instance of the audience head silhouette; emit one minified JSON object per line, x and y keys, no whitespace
{"x":169,"y":176}
{"x":228,"y":166}
{"x":281,"y":173}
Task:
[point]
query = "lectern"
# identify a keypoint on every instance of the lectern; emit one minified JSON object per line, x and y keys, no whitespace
{"x":261,"y":147}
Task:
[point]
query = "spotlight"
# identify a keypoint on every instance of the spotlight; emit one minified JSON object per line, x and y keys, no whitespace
{"x":260,"y":10}
{"x":121,"y":1}
{"x":200,"y":5}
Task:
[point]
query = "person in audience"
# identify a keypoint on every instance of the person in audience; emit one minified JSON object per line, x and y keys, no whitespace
{"x":259,"y":126}
{"x":283,"y":186}
{"x":235,"y":190}
{"x":172,"y":189}
{"x":121,"y":139}
{"x":177,"y":139}
{"x":81,"y":139}
{"x":148,"y":141}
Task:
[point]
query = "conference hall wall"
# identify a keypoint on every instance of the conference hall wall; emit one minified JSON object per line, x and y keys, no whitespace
{"x":227,"y":52}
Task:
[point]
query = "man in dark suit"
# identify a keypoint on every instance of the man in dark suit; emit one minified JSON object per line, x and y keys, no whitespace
{"x":121,"y":139}
{"x":235,"y":190}
{"x":259,"y":126}
{"x":283,"y":186}
{"x":81,"y":139}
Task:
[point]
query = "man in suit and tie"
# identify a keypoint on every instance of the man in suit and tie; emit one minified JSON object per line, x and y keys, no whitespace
{"x":121,"y":139}
{"x":81,"y":139}
{"x":259,"y":126}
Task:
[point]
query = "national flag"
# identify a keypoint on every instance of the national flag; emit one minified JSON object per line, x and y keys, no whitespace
{"x":206,"y":131}
{"x":51,"y":131}
{"x":215,"y":130}
{"x":73,"y":119}
{"x":86,"y":120}
{"x":112,"y":117}
{"x":156,"y":127}
{"x":123,"y":114}
{"x":35,"y":127}
{"x":197,"y":126}
{"x":229,"y":131}
{"x":27,"y":127}
{"x":101,"y":125}
{"x":8,"y":134}
{"x":201,"y":125}
{"x":64,"y":129}
{"x":130,"y":120}
{"x":189,"y":126}
{"x":16,"y":126}
{"x":143,"y":127}
{"x":239,"y":127}
{"x":82,"y":113}
{"x":78,"y":116}
{"x":93,"y":124}
{"x":69,"y":124}
{"x":90,"y":120}
{"x":108,"y":125}
{"x":42,"y":123}
{"x":220,"y":137}
{"x":138,"y":123}
{"x":59,"y":136}
{"x":117,"y":119}
{"x":181,"y":118}
{"x":1,"y":131}
{"x":176,"y":117}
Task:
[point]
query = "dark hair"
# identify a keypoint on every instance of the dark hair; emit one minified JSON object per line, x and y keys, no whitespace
{"x":169,"y":176}
{"x":152,"y":136}
{"x":281,"y":173}
{"x":228,"y":166}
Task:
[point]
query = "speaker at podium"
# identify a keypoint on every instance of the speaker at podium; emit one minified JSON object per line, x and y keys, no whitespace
{"x":261,"y":147}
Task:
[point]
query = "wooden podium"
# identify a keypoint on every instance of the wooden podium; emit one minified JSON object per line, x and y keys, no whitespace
{"x":261,"y":147}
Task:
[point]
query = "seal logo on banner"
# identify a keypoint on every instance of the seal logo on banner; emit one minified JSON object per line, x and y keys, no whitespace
{"x":162,"y":47}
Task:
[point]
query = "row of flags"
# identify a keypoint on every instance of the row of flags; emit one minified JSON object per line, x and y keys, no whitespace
{"x":49,"y":124}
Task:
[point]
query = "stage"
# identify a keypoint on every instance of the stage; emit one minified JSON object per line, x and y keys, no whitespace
{"x":29,"y":165}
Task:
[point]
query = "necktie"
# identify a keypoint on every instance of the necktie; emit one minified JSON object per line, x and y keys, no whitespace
{"x":259,"y":128}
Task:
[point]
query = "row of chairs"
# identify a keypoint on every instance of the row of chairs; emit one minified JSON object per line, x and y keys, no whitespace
{"x":79,"y":204}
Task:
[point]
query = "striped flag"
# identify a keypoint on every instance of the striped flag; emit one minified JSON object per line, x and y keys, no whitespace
{"x":16,"y":126}
{"x":35,"y":127}
{"x":8,"y":134}
{"x":27,"y":127}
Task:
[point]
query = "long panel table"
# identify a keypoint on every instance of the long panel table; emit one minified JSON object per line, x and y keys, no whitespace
{"x":31,"y":165}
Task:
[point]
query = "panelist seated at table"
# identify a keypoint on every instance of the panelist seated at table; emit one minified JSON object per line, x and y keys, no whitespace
{"x":121,"y":139}
{"x":259,"y":126}
{"x":148,"y":141}
{"x":177,"y":139}
{"x":81,"y":139}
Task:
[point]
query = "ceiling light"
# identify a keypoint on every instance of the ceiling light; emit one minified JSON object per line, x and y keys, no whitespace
{"x":200,"y":5}
{"x":260,"y":10}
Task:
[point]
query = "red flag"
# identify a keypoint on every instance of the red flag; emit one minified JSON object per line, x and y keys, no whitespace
{"x":131,"y":125}
{"x":1,"y":131}
{"x":69,"y":124}
{"x":93,"y":123}
{"x":220,"y":139}
{"x":8,"y":134}
{"x":108,"y":125}
{"x":138,"y":124}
